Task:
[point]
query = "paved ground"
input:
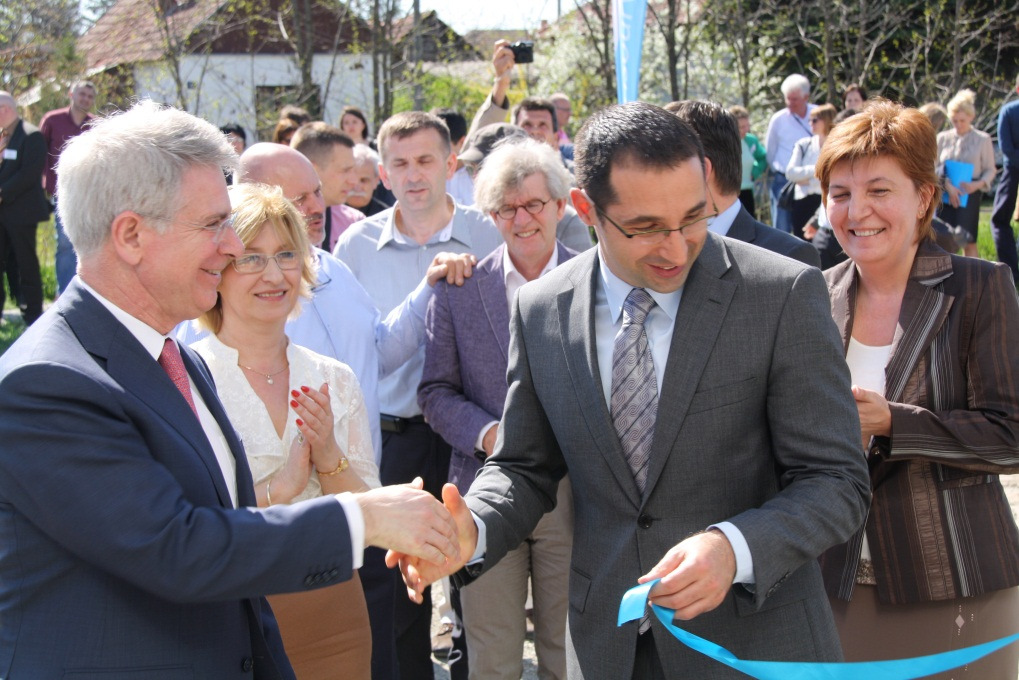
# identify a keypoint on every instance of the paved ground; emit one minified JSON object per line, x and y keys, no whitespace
{"x":1010,"y":482}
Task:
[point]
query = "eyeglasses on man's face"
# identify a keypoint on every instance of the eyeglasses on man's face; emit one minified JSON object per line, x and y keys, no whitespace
{"x":654,"y":233}
{"x":255,"y":263}
{"x":533,"y":207}
{"x":215,"y":226}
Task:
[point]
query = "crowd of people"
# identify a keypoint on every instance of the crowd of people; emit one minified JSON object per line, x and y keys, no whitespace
{"x":286,"y":387}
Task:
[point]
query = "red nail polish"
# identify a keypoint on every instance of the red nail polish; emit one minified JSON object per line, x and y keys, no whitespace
{"x":294,"y":393}
{"x":293,"y":403}
{"x":305,"y":389}
{"x":300,"y":423}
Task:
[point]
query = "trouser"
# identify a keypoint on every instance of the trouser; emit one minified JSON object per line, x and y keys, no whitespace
{"x":746,"y":197}
{"x":19,"y":238}
{"x":66,"y":259}
{"x":494,"y":614}
{"x":415,"y":451}
{"x":803,"y":209}
{"x":780,"y":218}
{"x":1001,"y":219}
{"x":380,"y":587}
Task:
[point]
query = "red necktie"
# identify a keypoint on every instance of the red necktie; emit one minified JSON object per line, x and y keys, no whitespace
{"x":171,"y":362}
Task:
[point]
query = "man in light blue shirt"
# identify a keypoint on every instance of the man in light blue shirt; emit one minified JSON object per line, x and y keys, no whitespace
{"x":389,"y":253}
{"x":785,"y":128}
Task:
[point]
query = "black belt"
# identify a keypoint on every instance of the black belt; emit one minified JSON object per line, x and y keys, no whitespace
{"x":397,"y":423}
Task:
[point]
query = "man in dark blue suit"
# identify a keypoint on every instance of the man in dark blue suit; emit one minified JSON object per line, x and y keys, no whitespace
{"x":130,"y":544}
{"x":719,"y":134}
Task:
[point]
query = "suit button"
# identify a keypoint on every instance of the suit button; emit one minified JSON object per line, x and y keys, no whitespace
{"x":247,"y":664}
{"x":333,"y":573}
{"x":645,"y":521}
{"x":309,"y":580}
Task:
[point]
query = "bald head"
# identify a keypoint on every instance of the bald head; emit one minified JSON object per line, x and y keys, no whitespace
{"x":288,"y":169}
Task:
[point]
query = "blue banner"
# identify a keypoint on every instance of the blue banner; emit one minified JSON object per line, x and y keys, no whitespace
{"x":628,"y":36}
{"x":631,"y":608}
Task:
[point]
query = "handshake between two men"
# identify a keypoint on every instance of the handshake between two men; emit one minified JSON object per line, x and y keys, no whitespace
{"x":695,"y":574}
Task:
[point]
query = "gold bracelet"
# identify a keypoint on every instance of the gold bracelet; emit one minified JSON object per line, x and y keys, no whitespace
{"x":268,"y":496}
{"x":340,"y":467}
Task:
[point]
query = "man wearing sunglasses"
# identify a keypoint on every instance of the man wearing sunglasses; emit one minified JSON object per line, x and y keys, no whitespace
{"x":678,"y":377}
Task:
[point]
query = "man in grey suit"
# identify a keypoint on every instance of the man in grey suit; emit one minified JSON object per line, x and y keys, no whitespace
{"x":718,"y":131}
{"x":724,"y":487}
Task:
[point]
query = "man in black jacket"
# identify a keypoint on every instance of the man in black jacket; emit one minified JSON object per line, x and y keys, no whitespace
{"x":22,"y":201}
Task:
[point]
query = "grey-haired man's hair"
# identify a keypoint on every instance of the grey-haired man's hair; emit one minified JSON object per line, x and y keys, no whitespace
{"x":133,"y":160}
{"x":513,"y":161}
{"x":365,"y":155}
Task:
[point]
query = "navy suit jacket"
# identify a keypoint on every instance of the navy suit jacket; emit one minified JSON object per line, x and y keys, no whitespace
{"x":745,"y":228}
{"x":463,"y":384}
{"x":119,"y":549}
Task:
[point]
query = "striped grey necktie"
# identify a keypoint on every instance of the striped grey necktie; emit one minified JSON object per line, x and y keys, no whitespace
{"x":634,"y":396}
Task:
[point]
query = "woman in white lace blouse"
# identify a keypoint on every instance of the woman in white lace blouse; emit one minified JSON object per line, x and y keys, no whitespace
{"x":300,"y":415}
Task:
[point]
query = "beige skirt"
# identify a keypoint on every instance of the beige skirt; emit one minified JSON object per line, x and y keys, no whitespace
{"x":325,"y":632}
{"x":873,"y":631}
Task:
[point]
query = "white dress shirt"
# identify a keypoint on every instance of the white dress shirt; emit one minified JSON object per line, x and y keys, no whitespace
{"x":152,"y":341}
{"x":659,"y":324}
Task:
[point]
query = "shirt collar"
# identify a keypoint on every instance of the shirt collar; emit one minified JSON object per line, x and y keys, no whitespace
{"x":150,"y":339}
{"x":722,"y":222}
{"x":452,"y":230}
{"x":509,"y":269}
{"x":616,"y":291}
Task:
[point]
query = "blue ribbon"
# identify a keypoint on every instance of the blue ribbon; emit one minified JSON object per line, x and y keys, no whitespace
{"x":631,"y":608}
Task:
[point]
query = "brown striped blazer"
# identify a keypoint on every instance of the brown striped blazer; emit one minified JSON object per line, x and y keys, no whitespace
{"x":940,"y":526}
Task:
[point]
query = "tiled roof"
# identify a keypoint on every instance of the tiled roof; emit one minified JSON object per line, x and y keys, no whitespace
{"x":129,"y":31}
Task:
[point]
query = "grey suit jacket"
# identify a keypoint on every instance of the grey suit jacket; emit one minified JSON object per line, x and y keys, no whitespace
{"x":755,"y":363}
{"x":463,"y":384}
{"x":745,"y":228}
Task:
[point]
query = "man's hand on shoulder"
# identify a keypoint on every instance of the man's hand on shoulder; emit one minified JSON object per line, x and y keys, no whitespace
{"x":696,"y":575}
{"x":408,"y":520}
{"x":454,"y":267}
{"x":419,"y":573}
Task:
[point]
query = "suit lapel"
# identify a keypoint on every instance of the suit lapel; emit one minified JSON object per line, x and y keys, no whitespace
{"x":576,"y":324}
{"x":199,"y":373}
{"x":492,"y":289}
{"x":925,"y":307}
{"x":702,"y":311}
{"x":127,"y":363}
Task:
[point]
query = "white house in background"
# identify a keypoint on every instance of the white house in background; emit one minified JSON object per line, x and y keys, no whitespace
{"x":230,"y":60}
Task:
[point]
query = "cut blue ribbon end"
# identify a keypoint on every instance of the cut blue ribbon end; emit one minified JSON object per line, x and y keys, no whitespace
{"x":632,"y":605}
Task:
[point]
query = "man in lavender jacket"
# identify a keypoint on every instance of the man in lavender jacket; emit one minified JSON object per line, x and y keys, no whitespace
{"x":524,"y":187}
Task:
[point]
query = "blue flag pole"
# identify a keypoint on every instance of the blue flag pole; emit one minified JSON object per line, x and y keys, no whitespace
{"x":628,"y":36}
